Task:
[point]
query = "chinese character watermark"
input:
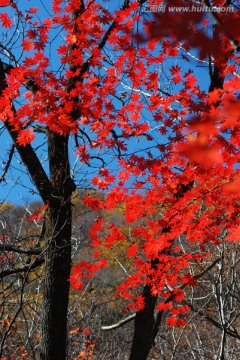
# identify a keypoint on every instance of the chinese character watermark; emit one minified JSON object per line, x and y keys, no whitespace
{"x":154,"y":8}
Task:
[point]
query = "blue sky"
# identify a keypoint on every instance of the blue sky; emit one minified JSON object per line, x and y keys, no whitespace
{"x":17,"y":188}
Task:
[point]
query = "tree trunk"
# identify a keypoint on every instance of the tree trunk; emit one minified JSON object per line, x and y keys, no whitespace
{"x":144,"y":328}
{"x":56,"y":192}
{"x":57,"y":238}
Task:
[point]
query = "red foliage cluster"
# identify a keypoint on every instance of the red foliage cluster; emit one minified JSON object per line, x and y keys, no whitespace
{"x":186,"y":180}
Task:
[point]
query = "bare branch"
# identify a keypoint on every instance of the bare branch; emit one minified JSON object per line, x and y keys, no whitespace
{"x":25,"y":268}
{"x":11,"y":152}
{"x":20,"y":249}
{"x":230,"y":332}
{"x":119,"y":324}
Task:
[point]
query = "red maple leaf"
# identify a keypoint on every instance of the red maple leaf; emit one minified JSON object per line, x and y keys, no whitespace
{"x":5,"y":20}
{"x":174,"y":321}
{"x":132,"y":250}
{"x":25,"y":137}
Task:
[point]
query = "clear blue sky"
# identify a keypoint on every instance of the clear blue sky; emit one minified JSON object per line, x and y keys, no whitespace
{"x":17,"y":188}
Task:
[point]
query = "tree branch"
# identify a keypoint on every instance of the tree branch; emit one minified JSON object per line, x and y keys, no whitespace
{"x":28,"y":155}
{"x":119,"y":324}
{"x":20,"y":249}
{"x":11,"y":152}
{"x":25,"y":268}
{"x":214,"y":322}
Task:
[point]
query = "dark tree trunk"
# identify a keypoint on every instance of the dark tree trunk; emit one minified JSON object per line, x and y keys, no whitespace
{"x":144,"y":328}
{"x":56,"y":192}
{"x":57,"y":253}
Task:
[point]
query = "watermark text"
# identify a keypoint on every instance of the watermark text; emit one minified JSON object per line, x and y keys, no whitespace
{"x":163,"y":8}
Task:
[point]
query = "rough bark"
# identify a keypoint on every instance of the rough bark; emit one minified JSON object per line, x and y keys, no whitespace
{"x":57,"y":253}
{"x":144,"y":328}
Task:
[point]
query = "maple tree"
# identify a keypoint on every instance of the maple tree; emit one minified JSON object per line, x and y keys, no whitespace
{"x":124,"y":89}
